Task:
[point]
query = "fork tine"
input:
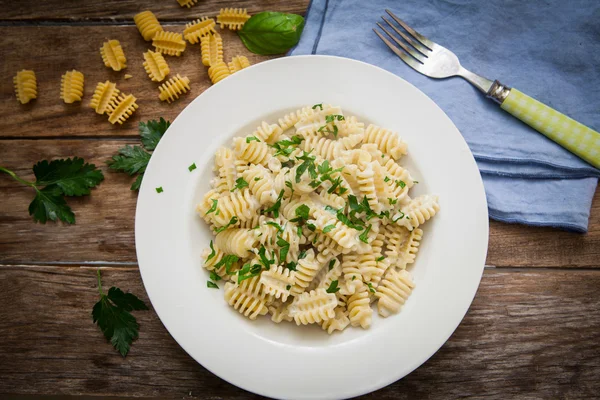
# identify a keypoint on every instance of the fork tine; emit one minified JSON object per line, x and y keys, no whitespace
{"x":400,"y":43}
{"x":406,"y":58}
{"x":410,"y":30}
{"x":422,"y":49}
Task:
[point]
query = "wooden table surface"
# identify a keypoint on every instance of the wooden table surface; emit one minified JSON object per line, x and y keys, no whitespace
{"x":532,"y":331}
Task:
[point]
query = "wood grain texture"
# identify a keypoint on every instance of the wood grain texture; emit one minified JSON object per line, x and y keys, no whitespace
{"x":105,"y":220}
{"x":527,"y":334}
{"x":123,"y":10}
{"x":52,"y":51}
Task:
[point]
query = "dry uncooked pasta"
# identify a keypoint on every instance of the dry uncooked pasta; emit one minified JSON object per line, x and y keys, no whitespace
{"x":71,"y":86}
{"x":25,"y":86}
{"x":156,"y":66}
{"x":147,"y":24}
{"x":238,"y":63}
{"x":121,"y":108}
{"x":194,"y":31}
{"x":211,"y":47}
{"x":218,"y":72}
{"x":169,"y":43}
{"x":232,"y":18}
{"x":173,"y":88}
{"x":104,"y":95}
{"x":187,"y":3}
{"x":113,"y":55}
{"x":309,"y":224}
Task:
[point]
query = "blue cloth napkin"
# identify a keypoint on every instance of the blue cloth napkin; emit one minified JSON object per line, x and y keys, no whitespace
{"x":549,"y":50}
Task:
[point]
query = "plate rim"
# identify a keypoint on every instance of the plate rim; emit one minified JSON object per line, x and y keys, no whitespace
{"x":367,"y":387}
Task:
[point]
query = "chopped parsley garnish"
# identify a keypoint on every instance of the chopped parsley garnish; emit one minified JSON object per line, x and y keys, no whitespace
{"x":364,"y":237}
{"x":333,"y":287}
{"x":288,"y":287}
{"x":291,"y":266}
{"x":312,"y":227}
{"x":307,"y":164}
{"x":299,"y":231}
{"x":320,"y":105}
{"x":315,"y":238}
{"x":264,"y":260}
{"x":371,"y":288}
{"x":240,"y":183}
{"x":401,"y":184}
{"x":399,"y":217}
{"x":392,"y":201}
{"x":286,"y":147}
{"x":386,"y":179}
{"x":346,"y":221}
{"x":257,"y":179}
{"x":159,"y":189}
{"x":332,"y":263}
{"x":275,"y":207}
{"x":248,"y":271}
{"x":252,"y":138}
{"x":276,"y":225}
{"x":214,"y":206}
{"x":380,"y":258}
{"x":415,"y":182}
{"x":211,"y":285}
{"x":325,"y":129}
{"x":228,"y":262}
{"x":328,"y":228}
{"x":285,"y":248}
{"x":192,"y":167}
{"x":331,"y":209}
{"x":289,"y":184}
{"x":353,"y":277}
{"x":335,"y":183}
{"x":333,"y":117}
{"x":302,"y":255}
{"x":301,"y":212}
{"x":232,"y":221}
{"x":214,"y":276}
{"x":212,"y":252}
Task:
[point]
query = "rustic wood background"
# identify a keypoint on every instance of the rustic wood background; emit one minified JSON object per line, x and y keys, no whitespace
{"x":533,"y":330}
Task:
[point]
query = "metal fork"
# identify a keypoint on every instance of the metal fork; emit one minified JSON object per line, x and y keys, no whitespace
{"x":436,"y":61}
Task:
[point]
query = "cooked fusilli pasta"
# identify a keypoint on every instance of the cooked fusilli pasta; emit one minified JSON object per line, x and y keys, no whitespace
{"x":313,"y":218}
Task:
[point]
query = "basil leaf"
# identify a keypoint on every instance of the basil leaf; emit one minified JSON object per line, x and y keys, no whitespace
{"x":271,"y":32}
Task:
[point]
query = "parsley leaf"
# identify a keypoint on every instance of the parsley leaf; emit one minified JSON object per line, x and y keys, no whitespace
{"x":285,"y":248}
{"x":320,"y":105}
{"x":228,"y":262}
{"x":371,"y":288}
{"x":159,"y":189}
{"x":264,"y":260}
{"x":331,"y":209}
{"x":380,"y":258}
{"x":248,"y":271}
{"x":332,"y":263}
{"x":112,"y":314}
{"x":286,"y":147}
{"x":276,"y":225}
{"x":288,"y":287}
{"x":240,"y":183}
{"x":399,"y":217}
{"x":401,"y":184}
{"x":333,"y":117}
{"x":275,"y":207}
{"x":130,"y":160}
{"x":333,"y":287}
{"x":392,"y":201}
{"x":364,"y":237}
{"x":328,"y":228}
{"x":346,"y":221}
{"x":212,"y":252}
{"x":192,"y":167}
{"x":214,"y":206}
{"x":152,"y":131}
{"x":291,"y":266}
{"x":301,"y":212}
{"x":214,"y":276}
{"x":308,"y":164}
{"x":252,"y":138}
{"x":64,"y":177}
{"x":386,"y":179}
{"x":289,"y":184}
{"x":302,"y":255}
{"x":232,"y":221}
{"x":212,"y":285}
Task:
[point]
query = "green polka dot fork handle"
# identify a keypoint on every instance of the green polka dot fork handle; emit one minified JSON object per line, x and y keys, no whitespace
{"x":436,"y":61}
{"x":570,"y":134}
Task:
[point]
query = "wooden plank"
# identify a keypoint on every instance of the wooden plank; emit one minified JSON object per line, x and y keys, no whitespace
{"x":105,"y":231}
{"x":50,"y":51}
{"x":527,"y":334}
{"x":124,"y":10}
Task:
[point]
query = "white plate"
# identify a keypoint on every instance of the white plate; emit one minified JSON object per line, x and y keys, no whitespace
{"x":286,"y":361}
